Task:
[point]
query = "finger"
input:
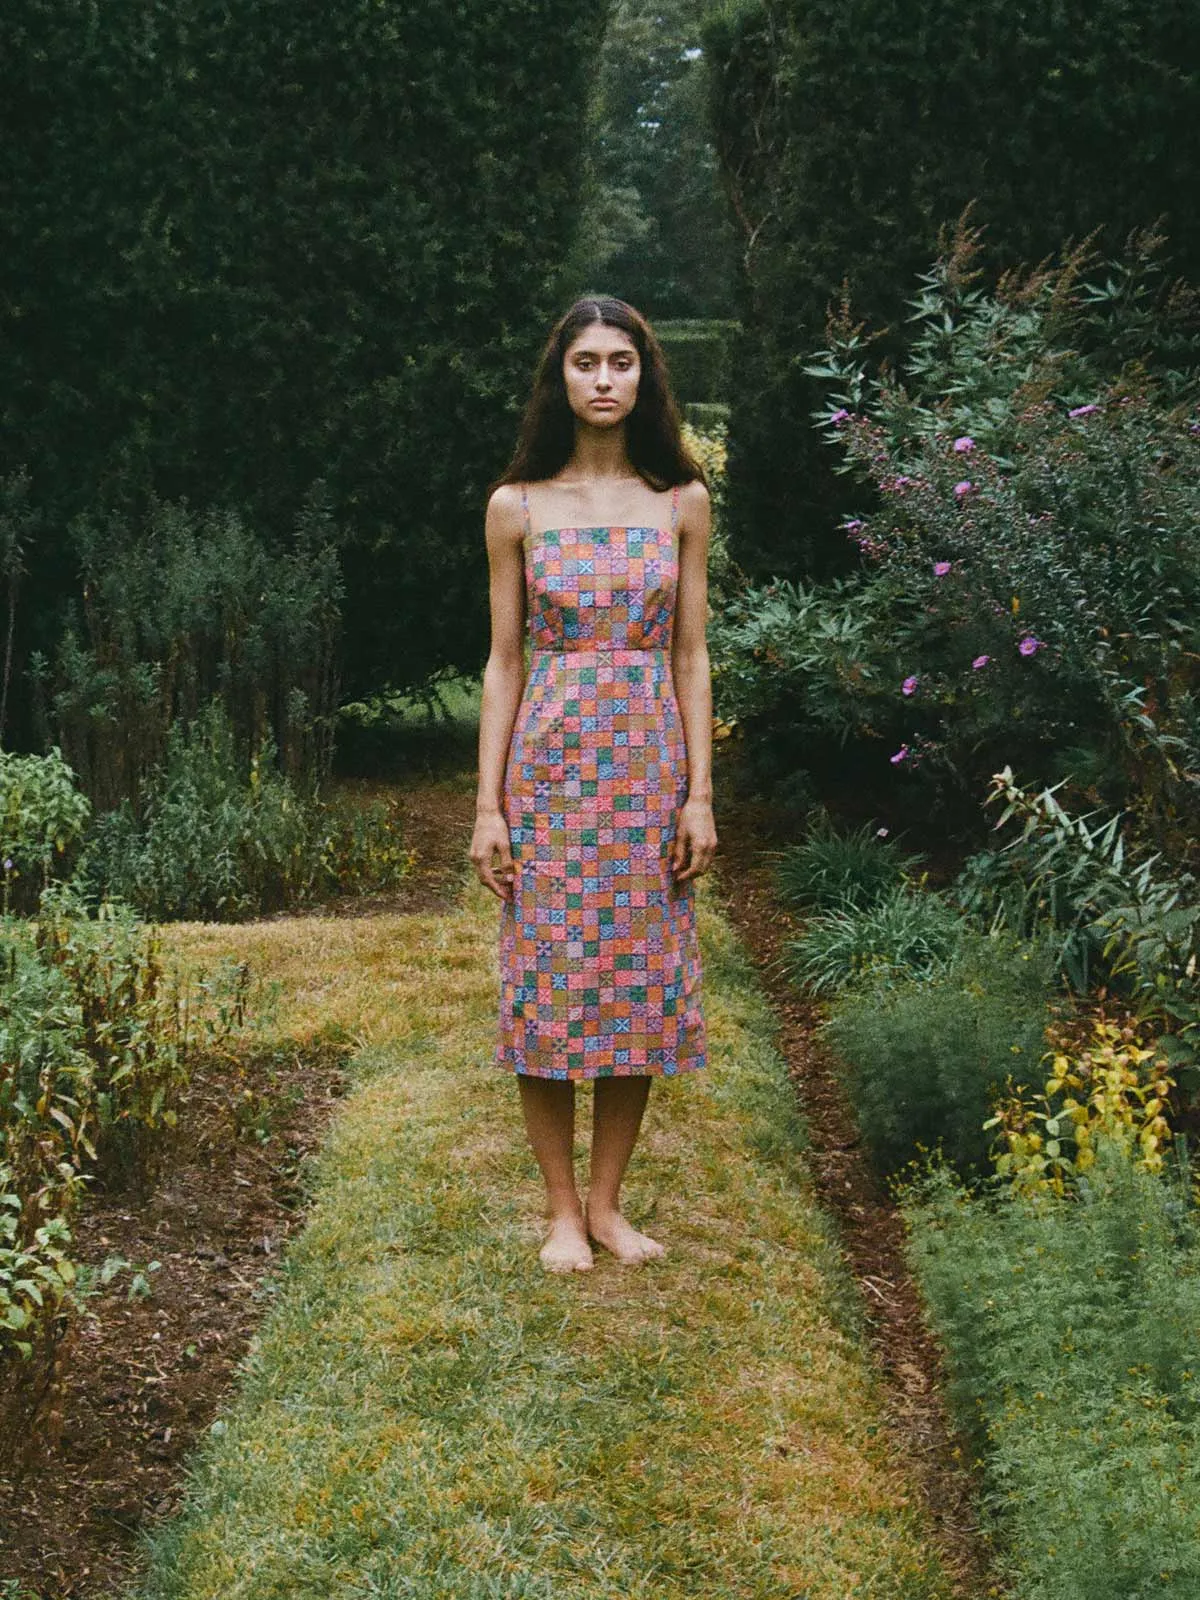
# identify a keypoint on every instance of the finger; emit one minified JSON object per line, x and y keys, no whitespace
{"x":507,"y":875}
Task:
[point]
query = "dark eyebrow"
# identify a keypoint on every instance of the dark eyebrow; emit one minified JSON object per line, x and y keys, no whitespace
{"x":624,"y":350}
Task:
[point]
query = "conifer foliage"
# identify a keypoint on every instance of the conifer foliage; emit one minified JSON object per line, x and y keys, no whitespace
{"x":249,"y":247}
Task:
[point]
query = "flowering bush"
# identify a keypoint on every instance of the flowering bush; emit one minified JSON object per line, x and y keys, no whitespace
{"x":1039,"y":607}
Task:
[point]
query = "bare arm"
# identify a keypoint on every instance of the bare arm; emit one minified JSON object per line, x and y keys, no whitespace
{"x":696,"y":834}
{"x":503,"y":684}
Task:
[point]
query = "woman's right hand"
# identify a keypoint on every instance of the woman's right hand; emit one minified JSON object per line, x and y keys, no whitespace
{"x":491,"y":838}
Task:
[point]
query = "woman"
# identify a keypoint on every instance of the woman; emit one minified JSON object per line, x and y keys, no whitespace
{"x":594,"y":813}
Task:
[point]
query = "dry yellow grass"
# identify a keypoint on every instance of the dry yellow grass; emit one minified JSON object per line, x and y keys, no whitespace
{"x":426,"y":1413}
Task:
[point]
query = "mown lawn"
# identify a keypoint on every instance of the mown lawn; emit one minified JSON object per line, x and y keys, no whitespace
{"x":425,"y":1413}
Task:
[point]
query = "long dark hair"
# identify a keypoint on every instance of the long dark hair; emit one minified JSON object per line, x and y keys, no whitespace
{"x":653,"y":433}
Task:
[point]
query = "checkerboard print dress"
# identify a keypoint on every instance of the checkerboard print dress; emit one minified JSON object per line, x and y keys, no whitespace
{"x":599,"y":965}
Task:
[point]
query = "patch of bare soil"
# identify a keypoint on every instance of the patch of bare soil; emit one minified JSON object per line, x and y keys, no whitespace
{"x":870,"y":1227}
{"x":92,"y":1450}
{"x":138,"y":1375}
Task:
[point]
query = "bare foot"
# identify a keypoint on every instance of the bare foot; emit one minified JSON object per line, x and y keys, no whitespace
{"x":567,"y":1248}
{"x":630,"y":1247}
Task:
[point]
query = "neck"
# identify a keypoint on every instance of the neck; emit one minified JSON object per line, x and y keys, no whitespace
{"x":599,"y":453}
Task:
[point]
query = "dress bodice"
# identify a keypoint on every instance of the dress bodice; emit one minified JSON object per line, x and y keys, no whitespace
{"x":601,"y":588}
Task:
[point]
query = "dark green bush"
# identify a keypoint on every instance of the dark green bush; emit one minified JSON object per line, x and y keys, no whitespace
{"x":1070,"y":1334}
{"x":246,"y":248}
{"x":698,"y":358}
{"x":850,"y":132}
{"x":925,"y":1058}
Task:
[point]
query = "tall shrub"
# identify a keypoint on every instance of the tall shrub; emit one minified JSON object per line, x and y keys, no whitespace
{"x":243,"y":248}
{"x":1022,"y":489}
{"x":181,"y":607}
{"x":850,"y":131}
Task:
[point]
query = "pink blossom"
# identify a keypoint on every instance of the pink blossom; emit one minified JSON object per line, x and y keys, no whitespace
{"x":941,"y":568}
{"x":1030,"y":645}
{"x":963,"y":488}
{"x":839,"y":415}
{"x":909,"y":686}
{"x":980,"y":661}
{"x":901,"y":755}
{"x":855,"y":525}
{"x":1083,"y":411}
{"x":881,"y":833}
{"x":965,"y":444}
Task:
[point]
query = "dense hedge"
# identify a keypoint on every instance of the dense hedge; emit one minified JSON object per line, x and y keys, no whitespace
{"x":850,"y":130}
{"x":698,"y":354}
{"x":246,"y":247}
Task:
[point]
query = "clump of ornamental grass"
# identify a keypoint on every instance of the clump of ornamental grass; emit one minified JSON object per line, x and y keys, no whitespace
{"x":831,"y":868}
{"x":906,"y":932}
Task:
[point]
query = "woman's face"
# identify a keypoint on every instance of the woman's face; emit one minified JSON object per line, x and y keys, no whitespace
{"x":601,"y":369}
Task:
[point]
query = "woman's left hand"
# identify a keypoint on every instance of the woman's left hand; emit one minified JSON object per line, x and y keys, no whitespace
{"x":695,"y":840}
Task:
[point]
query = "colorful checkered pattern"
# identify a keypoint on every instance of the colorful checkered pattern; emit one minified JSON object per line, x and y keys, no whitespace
{"x":599,"y":964}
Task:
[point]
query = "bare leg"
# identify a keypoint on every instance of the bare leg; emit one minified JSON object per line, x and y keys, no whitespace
{"x":549,"y":1107}
{"x":618,"y":1110}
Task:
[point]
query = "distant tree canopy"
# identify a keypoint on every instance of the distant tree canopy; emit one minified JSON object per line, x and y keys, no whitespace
{"x":655,"y":226}
{"x":247,"y":248}
{"x":850,"y":130}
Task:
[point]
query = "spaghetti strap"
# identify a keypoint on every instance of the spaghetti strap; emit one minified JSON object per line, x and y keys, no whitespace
{"x":675,"y":509}
{"x":525,"y":508}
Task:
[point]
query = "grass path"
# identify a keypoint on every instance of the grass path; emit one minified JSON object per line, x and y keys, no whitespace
{"x":425,"y":1413}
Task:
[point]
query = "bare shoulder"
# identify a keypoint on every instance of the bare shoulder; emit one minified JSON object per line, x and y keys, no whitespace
{"x":694,"y":504}
{"x":505,"y":514}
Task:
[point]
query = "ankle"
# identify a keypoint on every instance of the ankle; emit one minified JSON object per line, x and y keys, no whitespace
{"x":601,"y":1206}
{"x":565,"y":1208}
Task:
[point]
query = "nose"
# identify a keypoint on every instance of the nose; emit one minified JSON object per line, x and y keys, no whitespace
{"x":603,"y":381}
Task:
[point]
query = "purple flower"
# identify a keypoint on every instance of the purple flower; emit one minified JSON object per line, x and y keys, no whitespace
{"x":855,"y":525}
{"x":963,"y":488}
{"x":1083,"y":411}
{"x":909,"y":686}
{"x":8,"y":863}
{"x":980,"y":661}
{"x":1030,"y":645}
{"x":839,"y":415}
{"x":1194,"y":427}
{"x":941,"y":568}
{"x":901,"y":755}
{"x":965,"y":444}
